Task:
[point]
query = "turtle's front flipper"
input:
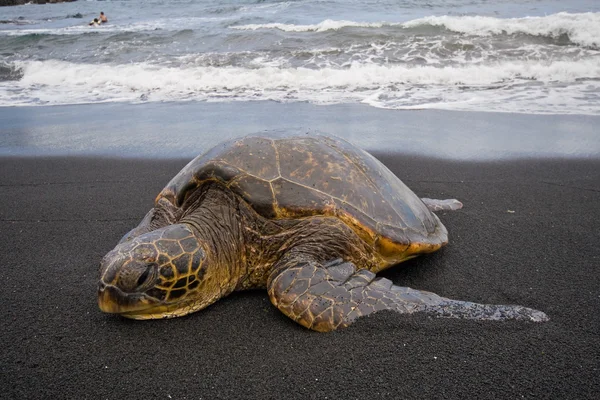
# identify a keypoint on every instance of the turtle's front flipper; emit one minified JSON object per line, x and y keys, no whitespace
{"x":331,"y":296}
{"x":439,"y":205}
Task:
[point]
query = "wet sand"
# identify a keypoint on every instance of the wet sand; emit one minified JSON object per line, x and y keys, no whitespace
{"x":179,"y":130}
{"x":528,"y":235}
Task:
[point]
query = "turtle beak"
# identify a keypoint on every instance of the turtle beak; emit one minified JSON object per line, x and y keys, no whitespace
{"x":112,"y":300}
{"x":122,"y":279}
{"x":105,"y":299}
{"x":135,"y":306}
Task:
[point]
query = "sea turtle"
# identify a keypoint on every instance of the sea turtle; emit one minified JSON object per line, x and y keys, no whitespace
{"x":310,"y":218}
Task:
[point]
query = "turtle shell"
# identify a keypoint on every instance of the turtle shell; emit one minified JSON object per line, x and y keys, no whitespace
{"x":300,"y":176}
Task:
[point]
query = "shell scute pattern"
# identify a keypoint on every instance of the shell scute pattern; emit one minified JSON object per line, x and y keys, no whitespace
{"x":366,"y":227}
{"x":255,"y":156}
{"x":256,"y":191}
{"x":321,"y":169}
{"x":307,"y":201}
{"x":304,"y":176}
{"x":407,"y":212}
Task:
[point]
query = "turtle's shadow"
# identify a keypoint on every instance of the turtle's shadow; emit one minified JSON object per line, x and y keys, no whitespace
{"x":417,"y":271}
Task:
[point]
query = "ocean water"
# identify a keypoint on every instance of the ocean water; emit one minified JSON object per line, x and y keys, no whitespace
{"x":525,"y":56}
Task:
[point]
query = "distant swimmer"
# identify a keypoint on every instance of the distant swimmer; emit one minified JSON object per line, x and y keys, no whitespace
{"x":95,"y":22}
{"x":103,"y":18}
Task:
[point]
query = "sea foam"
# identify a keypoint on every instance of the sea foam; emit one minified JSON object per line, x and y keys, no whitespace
{"x":163,"y":24}
{"x":581,"y":28}
{"x":509,"y":84}
{"x":326,"y":25}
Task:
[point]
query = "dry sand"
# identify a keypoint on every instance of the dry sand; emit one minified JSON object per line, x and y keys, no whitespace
{"x":528,"y":235}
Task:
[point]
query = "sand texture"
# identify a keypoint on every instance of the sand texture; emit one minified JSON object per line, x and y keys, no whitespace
{"x":528,"y":234}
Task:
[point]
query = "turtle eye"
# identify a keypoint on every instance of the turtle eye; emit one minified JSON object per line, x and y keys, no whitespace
{"x":143,"y":277}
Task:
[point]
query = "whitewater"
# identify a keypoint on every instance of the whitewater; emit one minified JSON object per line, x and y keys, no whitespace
{"x":536,"y":57}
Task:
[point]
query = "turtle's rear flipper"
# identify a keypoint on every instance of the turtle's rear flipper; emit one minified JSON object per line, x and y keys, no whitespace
{"x":331,"y":296}
{"x":439,"y":205}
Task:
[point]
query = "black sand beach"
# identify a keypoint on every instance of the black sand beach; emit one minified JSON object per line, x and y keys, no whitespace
{"x":528,"y":234}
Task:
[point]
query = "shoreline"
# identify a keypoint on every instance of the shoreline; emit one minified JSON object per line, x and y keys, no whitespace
{"x":182,"y":130}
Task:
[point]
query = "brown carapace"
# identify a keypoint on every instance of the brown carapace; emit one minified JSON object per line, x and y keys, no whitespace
{"x":310,"y":218}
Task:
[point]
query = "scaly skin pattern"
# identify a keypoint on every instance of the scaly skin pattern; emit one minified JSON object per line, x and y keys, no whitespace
{"x":327,"y":295}
{"x":317,"y":270}
{"x":166,"y":267}
{"x":331,"y":296}
{"x":180,"y":268}
{"x":312,"y":220}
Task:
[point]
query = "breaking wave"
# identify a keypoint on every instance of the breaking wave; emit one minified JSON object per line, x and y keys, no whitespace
{"x":581,"y":28}
{"x":326,"y":25}
{"x":397,"y":86}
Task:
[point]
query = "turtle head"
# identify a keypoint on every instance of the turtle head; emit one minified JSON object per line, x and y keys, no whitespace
{"x":159,"y":274}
